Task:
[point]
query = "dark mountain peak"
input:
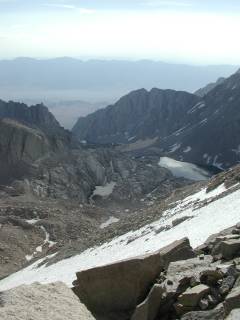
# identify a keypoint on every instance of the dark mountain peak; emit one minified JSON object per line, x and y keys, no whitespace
{"x":138,"y":115}
{"x":202,"y":130}
{"x":37,"y":115}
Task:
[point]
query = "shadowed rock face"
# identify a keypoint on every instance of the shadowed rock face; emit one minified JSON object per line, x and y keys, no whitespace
{"x":37,"y":115}
{"x":19,"y":146}
{"x":27,"y":134}
{"x":205,"y":90}
{"x":202,"y":130}
{"x":139,"y":115}
{"x":21,"y":143}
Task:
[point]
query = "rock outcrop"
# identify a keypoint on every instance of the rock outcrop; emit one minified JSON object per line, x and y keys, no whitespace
{"x":173,"y":283}
{"x":47,"y":161}
{"x":177,"y":124}
{"x":120,"y":287}
{"x":37,"y":302}
{"x":37,"y":115}
{"x":139,"y":115}
{"x":205,"y":90}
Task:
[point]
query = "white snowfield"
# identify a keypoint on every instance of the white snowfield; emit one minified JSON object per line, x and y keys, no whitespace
{"x":201,"y":222}
{"x":182,"y":169}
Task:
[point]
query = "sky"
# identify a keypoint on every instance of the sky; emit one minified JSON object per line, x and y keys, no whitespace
{"x":183,"y":31}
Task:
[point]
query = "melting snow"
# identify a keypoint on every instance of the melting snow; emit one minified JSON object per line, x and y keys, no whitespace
{"x":39,"y":249}
{"x":187,"y":149}
{"x":131,"y":138}
{"x":183,"y":169}
{"x":203,"y":221}
{"x":32,"y":221}
{"x":174,"y":147}
{"x":108,"y":222}
{"x":203,"y":121}
{"x":199,"y":105}
{"x":217,"y":164}
{"x":104,"y":191}
{"x":177,"y":133}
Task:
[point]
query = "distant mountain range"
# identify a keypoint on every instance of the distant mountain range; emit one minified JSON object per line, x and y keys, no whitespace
{"x":79,"y":87}
{"x":98,"y":80}
{"x":202,"y":130}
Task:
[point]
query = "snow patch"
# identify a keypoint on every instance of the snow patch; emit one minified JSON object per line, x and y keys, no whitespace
{"x":179,"y":131}
{"x":187,"y":149}
{"x":131,"y":138}
{"x":39,"y":249}
{"x":33,"y":221}
{"x":104,"y":191}
{"x":174,"y":147}
{"x":217,"y":164}
{"x":182,"y":169}
{"x":198,"y":106}
{"x":110,"y":221}
{"x":203,"y":121}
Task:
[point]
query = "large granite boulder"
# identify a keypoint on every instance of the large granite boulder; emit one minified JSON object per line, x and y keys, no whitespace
{"x":39,"y":302}
{"x":232,"y":300}
{"x":234,"y":315}
{"x":121,"y":286}
{"x":217,"y":314}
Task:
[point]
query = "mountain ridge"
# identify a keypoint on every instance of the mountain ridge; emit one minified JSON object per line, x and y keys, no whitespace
{"x":181,"y":124}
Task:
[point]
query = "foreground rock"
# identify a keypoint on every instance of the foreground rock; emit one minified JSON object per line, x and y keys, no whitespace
{"x":172,"y":283}
{"x":113,"y":291}
{"x":37,"y":302}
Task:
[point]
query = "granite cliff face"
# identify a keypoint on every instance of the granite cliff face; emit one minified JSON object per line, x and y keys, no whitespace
{"x":28,"y":134}
{"x":201,"y":130}
{"x":19,"y":147}
{"x":37,"y":115}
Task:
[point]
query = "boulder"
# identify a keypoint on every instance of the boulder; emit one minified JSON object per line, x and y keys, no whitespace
{"x":192,"y":296}
{"x":217,"y":314}
{"x":178,"y":250}
{"x":188,"y":270}
{"x":234,"y":315}
{"x":228,"y":249}
{"x":227,"y":285}
{"x":124,"y":285}
{"x":149,"y":308}
{"x":37,"y":302}
{"x":232,"y":300}
{"x":211,"y":276}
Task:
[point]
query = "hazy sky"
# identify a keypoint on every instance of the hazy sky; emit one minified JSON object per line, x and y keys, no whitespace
{"x":193,"y":31}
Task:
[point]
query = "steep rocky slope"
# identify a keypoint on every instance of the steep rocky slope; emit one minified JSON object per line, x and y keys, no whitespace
{"x":48,"y":162}
{"x":139,"y":115}
{"x":205,"y":90}
{"x":196,"y":211}
{"x":177,"y":281}
{"x":53,"y":190}
{"x":27,"y":135}
{"x":201,"y":130}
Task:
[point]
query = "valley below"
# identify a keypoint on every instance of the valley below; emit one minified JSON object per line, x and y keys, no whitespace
{"x":135,"y":211}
